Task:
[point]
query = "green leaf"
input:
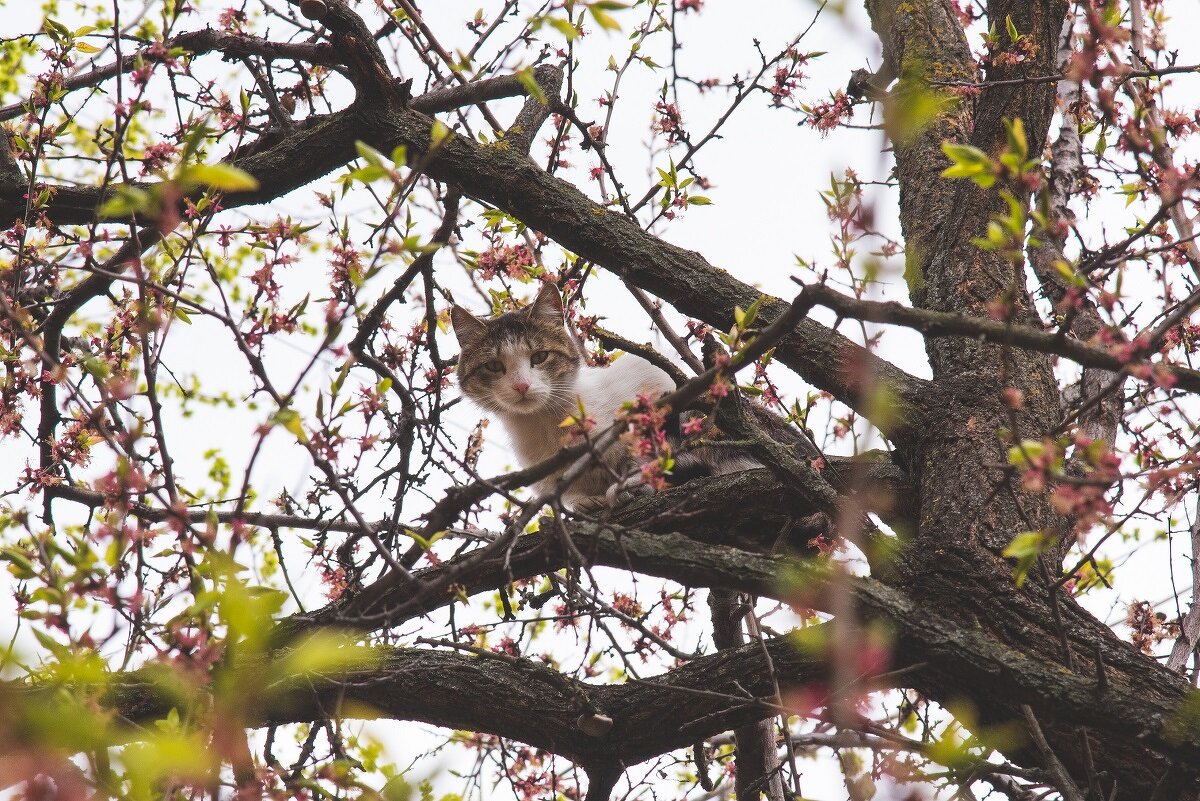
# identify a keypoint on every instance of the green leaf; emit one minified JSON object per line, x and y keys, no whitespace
{"x":126,"y":202}
{"x":171,"y":723}
{"x":397,"y":789}
{"x":56,"y":31}
{"x":96,"y":367}
{"x":965,"y":154}
{"x":1131,"y":192}
{"x":248,"y":611}
{"x":995,"y":239}
{"x":961,"y":171}
{"x":1017,"y":141}
{"x":341,"y":376}
{"x":1026,"y":452}
{"x":369,"y":154}
{"x":969,"y":162}
{"x":369,"y":173}
{"x":425,"y":544}
{"x":1068,"y":274}
{"x":1013,"y":33}
{"x":752,"y":312}
{"x":951,"y":749}
{"x":60,"y":651}
{"x":222,"y":177}
{"x":180,"y":756}
{"x":193,"y":140}
{"x":568,"y":30}
{"x":531,"y":85}
{"x":1025,"y":543}
{"x":439,"y":133}
{"x":1095,"y":573}
{"x":21,"y":567}
{"x":322,"y":653}
{"x":698,"y":200}
{"x":604,"y":19}
{"x":1026,"y":547}
{"x":290,"y":419}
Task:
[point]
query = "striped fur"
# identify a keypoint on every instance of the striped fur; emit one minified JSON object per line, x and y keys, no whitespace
{"x":534,"y":347}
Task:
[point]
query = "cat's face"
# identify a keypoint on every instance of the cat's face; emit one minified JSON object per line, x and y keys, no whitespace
{"x":522,"y":362}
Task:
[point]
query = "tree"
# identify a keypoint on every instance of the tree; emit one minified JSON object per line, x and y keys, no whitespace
{"x":155,"y":188}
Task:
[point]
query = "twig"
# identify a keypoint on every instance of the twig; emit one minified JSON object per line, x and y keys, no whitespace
{"x":1058,"y":76}
{"x":1062,"y":779}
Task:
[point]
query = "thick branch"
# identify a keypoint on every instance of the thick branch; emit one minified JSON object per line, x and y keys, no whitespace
{"x":510,"y":697}
{"x":750,"y":511}
{"x":683,"y":278}
{"x":536,"y":109}
{"x":511,"y":181}
{"x":197,"y":43}
{"x":943,"y":656}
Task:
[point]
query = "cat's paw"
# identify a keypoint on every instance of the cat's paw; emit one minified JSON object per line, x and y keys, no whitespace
{"x":628,"y":488}
{"x":588,"y":504}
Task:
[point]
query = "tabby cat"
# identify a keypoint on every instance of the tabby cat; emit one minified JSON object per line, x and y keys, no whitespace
{"x":527,"y":368}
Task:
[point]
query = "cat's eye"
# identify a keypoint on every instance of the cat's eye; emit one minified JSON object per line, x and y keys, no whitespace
{"x":494,"y":366}
{"x":539,"y":356}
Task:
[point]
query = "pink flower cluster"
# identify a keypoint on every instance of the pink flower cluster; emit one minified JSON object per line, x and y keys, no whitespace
{"x":515,"y":261}
{"x":827,"y":115}
{"x":648,"y":440}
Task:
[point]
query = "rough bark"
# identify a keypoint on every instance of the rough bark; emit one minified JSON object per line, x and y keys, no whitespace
{"x":967,"y":514}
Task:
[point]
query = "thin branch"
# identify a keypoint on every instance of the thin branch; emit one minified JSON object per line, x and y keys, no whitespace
{"x":1120,"y":75}
{"x":936,"y":324}
{"x":1062,"y":779}
{"x":1189,"y":627}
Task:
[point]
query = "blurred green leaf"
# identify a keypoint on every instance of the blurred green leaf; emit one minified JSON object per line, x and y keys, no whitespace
{"x":527,"y":79}
{"x":168,"y":755}
{"x":1026,"y":547}
{"x":126,"y":201}
{"x":290,"y":419}
{"x":322,"y":653}
{"x":222,"y":177}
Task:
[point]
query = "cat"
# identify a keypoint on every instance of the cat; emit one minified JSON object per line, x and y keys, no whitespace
{"x":528,"y":369}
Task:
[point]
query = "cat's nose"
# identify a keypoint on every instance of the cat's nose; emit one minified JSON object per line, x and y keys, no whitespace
{"x":521,"y":387}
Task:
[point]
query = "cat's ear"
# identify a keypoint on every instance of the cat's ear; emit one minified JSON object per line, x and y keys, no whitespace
{"x":467,"y":327}
{"x":547,"y":304}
